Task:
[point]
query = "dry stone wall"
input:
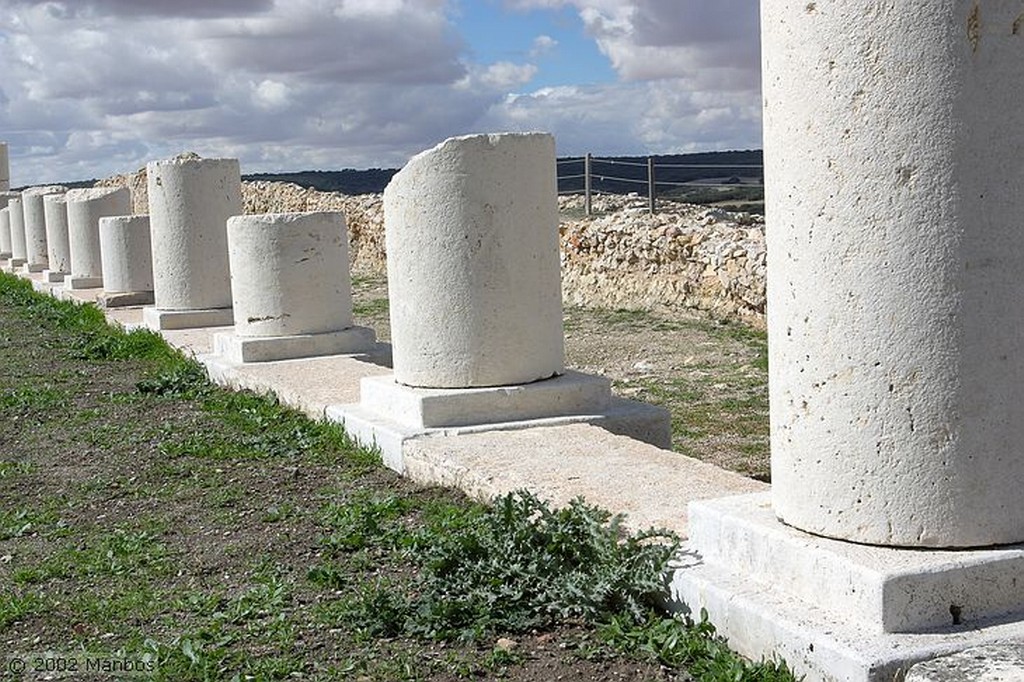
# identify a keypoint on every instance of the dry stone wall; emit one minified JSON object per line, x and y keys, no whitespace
{"x":623,"y":257}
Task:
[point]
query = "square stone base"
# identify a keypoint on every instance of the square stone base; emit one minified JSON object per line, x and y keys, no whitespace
{"x":14,"y":265}
{"x":29,"y":268}
{"x":158,"y":319}
{"x":243,"y":349}
{"x":6,"y":255}
{"x":389,"y":414}
{"x":570,"y":393}
{"x":81,"y":282}
{"x":53,"y":276}
{"x":837,"y":610}
{"x":124,"y":299}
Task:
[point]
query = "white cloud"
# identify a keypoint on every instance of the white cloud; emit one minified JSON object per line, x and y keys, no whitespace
{"x":542,"y":45}
{"x":92,"y":87}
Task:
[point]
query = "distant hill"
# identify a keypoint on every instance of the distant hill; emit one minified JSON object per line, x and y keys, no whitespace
{"x":618,"y":174}
{"x":612,"y":174}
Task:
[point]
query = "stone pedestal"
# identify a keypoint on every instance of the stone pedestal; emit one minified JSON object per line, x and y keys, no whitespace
{"x":5,"y":169}
{"x":36,"y":253}
{"x":5,"y":225}
{"x":58,"y":246}
{"x":476,"y":314}
{"x":895,"y":312}
{"x":291,"y":290}
{"x":126,"y":254}
{"x":85,"y":208}
{"x":190,"y":201}
{"x":17,"y":220}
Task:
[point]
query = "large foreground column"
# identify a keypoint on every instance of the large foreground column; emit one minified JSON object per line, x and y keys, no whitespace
{"x":190,"y":201}
{"x":36,"y":254}
{"x":473,"y":263}
{"x":291,"y":289}
{"x":894,"y":134}
{"x":126,"y":254}
{"x":896,"y":301}
{"x":17,"y":219}
{"x":5,"y":169}
{"x":58,"y":246}
{"x":85,"y":208}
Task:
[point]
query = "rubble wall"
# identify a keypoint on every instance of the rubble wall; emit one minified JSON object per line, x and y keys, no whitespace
{"x":683,"y":256}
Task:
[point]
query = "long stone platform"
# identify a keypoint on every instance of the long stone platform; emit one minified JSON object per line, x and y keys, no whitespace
{"x":557,"y":459}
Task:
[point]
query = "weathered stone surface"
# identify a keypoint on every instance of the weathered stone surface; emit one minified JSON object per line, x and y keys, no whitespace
{"x":992,"y":663}
{"x":37,"y":255}
{"x":85,"y":208}
{"x":473,"y":263}
{"x":126,"y":253}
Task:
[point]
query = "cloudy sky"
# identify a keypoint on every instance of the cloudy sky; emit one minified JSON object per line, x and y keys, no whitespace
{"x":93,"y":87}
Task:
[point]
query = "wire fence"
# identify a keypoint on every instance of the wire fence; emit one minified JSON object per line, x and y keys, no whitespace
{"x":590,"y":175}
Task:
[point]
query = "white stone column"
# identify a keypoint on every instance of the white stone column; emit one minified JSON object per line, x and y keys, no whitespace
{"x":291,"y":290}
{"x":17,"y":219}
{"x":58,"y":246}
{"x":36,"y":254}
{"x":894,"y":134}
{"x":476,"y":307}
{"x":5,"y":233}
{"x":473,"y":263}
{"x":190,"y":201}
{"x":85,"y":208}
{"x":896,"y":295}
{"x":5,"y":169}
{"x":127,"y":258}
{"x":5,"y":226}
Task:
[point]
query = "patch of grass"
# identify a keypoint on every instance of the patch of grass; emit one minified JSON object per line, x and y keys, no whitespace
{"x":116,"y":553}
{"x":375,"y":307}
{"x":16,"y":606}
{"x":694,"y":647}
{"x":10,"y":469}
{"x":22,"y":522}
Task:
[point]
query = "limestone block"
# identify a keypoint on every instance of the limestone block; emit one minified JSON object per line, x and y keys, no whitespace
{"x":85,"y":208}
{"x":190,"y":201}
{"x":35,"y":225}
{"x":289,"y":273}
{"x":5,"y":233}
{"x":5,"y":226}
{"x":896,"y":305}
{"x":126,"y":254}
{"x":17,"y":219}
{"x":473,"y":263}
{"x":58,"y":246}
{"x":291,"y":291}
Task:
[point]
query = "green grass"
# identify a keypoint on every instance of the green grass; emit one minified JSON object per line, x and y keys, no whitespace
{"x":184,"y":543}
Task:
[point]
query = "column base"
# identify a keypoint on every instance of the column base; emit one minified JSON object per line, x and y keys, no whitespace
{"x":836,"y":610}
{"x":32,"y":268}
{"x":242,"y":349}
{"x":389,"y":414}
{"x":124,"y":299}
{"x":82,"y":282}
{"x":5,"y":255}
{"x":158,"y":319}
{"x":53,"y":276}
{"x":14,"y":264}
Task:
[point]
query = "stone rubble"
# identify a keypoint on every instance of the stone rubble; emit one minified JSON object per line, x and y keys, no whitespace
{"x":623,"y":257}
